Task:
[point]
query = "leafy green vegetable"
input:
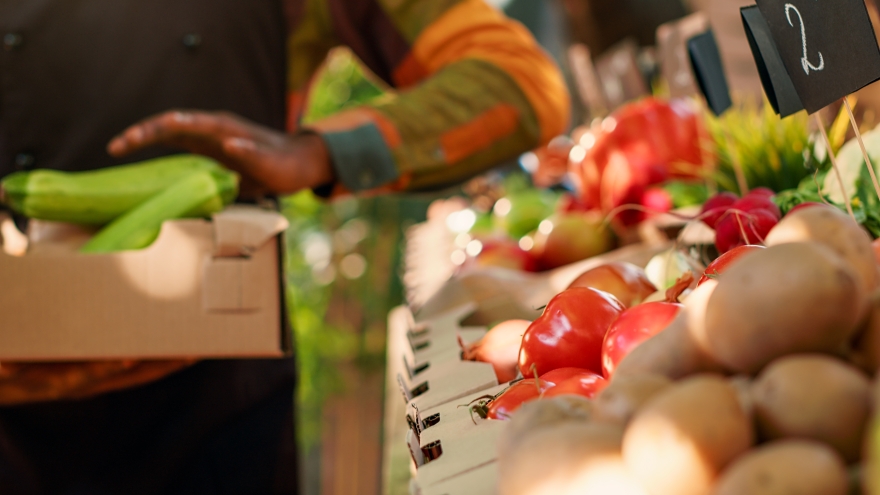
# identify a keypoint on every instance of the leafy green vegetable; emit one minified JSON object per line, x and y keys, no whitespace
{"x":686,"y":193}
{"x":774,"y":153}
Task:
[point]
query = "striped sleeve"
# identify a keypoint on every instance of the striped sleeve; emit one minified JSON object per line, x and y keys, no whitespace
{"x":474,"y":89}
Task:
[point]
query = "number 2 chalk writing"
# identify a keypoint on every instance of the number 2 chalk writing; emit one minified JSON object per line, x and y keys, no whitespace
{"x":805,"y":62}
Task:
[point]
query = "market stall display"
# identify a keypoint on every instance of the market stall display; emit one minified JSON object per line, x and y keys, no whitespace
{"x":740,"y":351}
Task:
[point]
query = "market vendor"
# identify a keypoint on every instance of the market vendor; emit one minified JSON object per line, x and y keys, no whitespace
{"x":475,"y":90}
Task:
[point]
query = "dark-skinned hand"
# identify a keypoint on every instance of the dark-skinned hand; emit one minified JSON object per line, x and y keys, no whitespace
{"x":269,"y":161}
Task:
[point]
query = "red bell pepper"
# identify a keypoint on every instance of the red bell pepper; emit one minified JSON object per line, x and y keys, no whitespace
{"x":641,"y":144}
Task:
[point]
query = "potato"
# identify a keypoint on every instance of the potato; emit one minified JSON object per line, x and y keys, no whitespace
{"x":679,"y":442}
{"x":871,"y":447}
{"x":791,"y":298}
{"x":813,"y":397}
{"x":866,"y":352}
{"x":836,"y":230}
{"x":568,"y":459}
{"x":619,"y":401}
{"x":537,"y":414}
{"x":675,"y":352}
{"x":786,"y":467}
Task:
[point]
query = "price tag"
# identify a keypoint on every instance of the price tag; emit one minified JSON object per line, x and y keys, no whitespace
{"x":709,"y":72}
{"x":828,"y":48}
{"x":778,"y":86}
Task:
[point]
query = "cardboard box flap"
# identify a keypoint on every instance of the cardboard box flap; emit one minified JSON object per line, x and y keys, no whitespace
{"x":240,"y":230}
{"x":447,"y":382}
{"x":450,"y":420}
{"x":451,"y":457}
{"x":480,"y":481}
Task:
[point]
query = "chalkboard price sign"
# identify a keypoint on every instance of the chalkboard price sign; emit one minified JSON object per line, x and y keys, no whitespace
{"x":780,"y":91}
{"x":709,"y":72}
{"x":828,"y":47}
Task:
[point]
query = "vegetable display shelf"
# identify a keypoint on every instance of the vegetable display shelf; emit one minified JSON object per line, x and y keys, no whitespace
{"x":432,"y":439}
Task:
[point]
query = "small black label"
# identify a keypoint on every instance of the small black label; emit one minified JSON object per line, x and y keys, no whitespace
{"x":709,"y":72}
{"x":828,"y":48}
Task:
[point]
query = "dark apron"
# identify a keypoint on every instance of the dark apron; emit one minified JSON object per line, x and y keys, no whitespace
{"x":73,"y":73}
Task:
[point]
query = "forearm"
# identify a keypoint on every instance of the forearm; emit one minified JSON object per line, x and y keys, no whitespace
{"x":482,"y":92}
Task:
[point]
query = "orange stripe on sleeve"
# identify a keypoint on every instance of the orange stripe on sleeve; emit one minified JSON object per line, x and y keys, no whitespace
{"x":473,"y":29}
{"x":498,"y":122}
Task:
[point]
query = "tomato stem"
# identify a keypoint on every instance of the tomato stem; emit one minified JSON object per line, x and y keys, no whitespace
{"x":682,"y":284}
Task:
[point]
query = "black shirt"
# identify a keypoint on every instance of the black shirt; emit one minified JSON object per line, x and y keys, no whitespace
{"x":73,"y":73}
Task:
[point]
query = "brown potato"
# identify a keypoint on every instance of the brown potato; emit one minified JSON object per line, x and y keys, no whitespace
{"x":798,"y":297}
{"x":537,"y":414}
{"x":679,"y":442}
{"x":871,"y":447}
{"x":813,"y":397}
{"x":619,"y":401}
{"x":866,"y":351}
{"x":836,"y":230}
{"x":567,"y":459}
{"x":786,"y":467}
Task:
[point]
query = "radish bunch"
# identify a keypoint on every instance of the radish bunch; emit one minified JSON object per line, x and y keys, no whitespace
{"x":740,"y":221}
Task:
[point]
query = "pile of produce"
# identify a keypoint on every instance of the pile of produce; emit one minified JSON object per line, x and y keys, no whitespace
{"x":128,"y":202}
{"x":649,"y":157}
{"x":752,"y":377}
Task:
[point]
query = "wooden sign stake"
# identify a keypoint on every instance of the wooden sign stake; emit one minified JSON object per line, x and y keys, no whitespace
{"x":868,"y":163}
{"x":846,"y":198}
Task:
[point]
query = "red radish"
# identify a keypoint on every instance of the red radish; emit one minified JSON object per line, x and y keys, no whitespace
{"x":638,"y":324}
{"x":586,"y":385}
{"x":716,"y":206}
{"x":499,"y":347}
{"x":737,"y":229}
{"x":761,"y":191}
{"x":722,"y":262}
{"x":752,"y":203}
{"x":657,"y":199}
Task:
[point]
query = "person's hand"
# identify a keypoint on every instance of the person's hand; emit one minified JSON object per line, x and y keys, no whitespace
{"x":268,"y":160}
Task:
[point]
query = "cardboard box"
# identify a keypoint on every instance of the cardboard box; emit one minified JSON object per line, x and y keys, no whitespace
{"x":436,"y":342}
{"x":202,"y":289}
{"x":480,"y":481}
{"x":446,"y":382}
{"x":446,"y":458}
{"x":450,"y":420}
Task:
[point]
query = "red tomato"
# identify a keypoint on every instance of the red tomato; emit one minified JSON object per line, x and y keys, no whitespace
{"x":633,"y":327}
{"x":560,"y":375}
{"x":716,"y":206}
{"x":737,"y":229}
{"x":722,"y":262}
{"x":641,"y":144}
{"x":625,"y":281}
{"x":585,"y":384}
{"x":569,"y":332}
{"x":503,"y":406}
